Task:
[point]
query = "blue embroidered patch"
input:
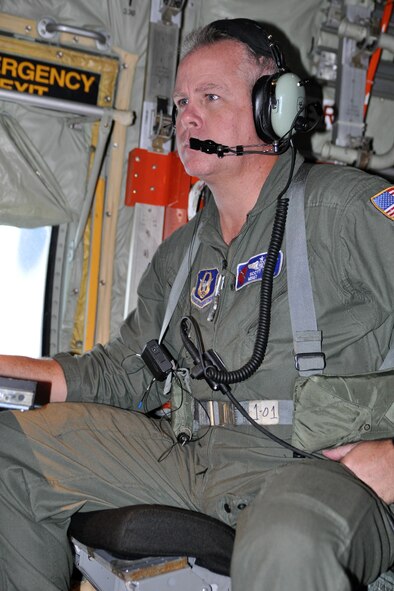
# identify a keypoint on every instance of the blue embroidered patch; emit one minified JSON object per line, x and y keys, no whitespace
{"x":204,"y":291}
{"x":252,"y":270}
{"x":384,"y":202}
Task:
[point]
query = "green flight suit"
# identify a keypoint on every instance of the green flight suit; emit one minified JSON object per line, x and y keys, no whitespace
{"x":301,"y":524}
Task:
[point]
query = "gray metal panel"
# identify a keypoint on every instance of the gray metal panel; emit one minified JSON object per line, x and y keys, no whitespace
{"x":106,"y":573}
{"x":146,"y":236}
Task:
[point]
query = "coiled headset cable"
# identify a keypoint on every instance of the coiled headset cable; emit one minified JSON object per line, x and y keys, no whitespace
{"x":223,"y":376}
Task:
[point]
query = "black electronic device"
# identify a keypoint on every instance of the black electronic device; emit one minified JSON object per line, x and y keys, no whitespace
{"x":17,"y":394}
{"x":157,"y":359}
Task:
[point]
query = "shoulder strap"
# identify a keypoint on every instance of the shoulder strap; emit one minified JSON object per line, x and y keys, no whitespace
{"x":307,"y":340}
{"x":309,"y":358}
{"x":179,"y":283}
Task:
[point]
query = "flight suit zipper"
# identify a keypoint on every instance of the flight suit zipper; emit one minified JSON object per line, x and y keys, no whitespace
{"x":218,"y":292}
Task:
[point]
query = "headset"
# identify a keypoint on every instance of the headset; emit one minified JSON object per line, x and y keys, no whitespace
{"x":278,"y":99}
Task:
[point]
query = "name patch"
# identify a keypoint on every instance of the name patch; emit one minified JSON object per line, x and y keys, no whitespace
{"x":252,"y":270}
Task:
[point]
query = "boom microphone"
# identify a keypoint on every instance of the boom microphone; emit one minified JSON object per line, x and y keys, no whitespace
{"x":211,"y":147}
{"x":208,"y":146}
{"x":300,"y":124}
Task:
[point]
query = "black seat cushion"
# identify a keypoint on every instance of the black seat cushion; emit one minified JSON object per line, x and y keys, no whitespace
{"x":157,"y":530}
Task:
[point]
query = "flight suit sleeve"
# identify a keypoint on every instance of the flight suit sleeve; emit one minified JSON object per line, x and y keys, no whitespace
{"x":331,"y":410}
{"x":114,"y":373}
{"x":366,"y":246}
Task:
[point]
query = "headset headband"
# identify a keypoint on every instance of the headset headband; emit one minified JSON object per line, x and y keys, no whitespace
{"x":252,"y":34}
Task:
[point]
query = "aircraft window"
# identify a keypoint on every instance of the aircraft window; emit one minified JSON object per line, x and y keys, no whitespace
{"x":23,"y":266}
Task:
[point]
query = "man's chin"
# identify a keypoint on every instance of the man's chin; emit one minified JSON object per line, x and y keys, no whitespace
{"x":199,"y":165}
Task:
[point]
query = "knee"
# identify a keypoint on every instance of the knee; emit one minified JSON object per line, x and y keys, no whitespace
{"x":295,"y":513}
{"x":289,"y":527}
{"x":281,"y":543}
{"x":311,"y":518}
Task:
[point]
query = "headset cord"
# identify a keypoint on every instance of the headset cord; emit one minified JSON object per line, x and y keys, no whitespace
{"x":201,"y":358}
{"x":223,"y":376}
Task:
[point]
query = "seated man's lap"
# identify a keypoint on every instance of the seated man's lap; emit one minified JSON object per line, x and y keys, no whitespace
{"x":97,"y":455}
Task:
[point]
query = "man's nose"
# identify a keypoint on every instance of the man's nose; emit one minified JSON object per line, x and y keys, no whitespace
{"x":190,"y":116}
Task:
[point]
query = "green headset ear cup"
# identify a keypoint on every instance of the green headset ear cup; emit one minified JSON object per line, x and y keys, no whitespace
{"x":263,"y":94}
{"x":288,"y":104}
{"x":277,"y":101}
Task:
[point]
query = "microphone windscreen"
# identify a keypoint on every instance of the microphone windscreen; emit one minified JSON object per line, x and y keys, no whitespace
{"x":195,"y":144}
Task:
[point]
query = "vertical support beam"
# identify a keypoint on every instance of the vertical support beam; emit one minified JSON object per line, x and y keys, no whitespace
{"x":114,"y":184}
{"x":348,"y":129}
{"x":94,"y":266}
{"x":150,"y":222}
{"x":159,"y":80}
{"x":157,"y":188}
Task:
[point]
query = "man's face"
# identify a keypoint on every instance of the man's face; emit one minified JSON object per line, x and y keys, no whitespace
{"x":213,"y":97}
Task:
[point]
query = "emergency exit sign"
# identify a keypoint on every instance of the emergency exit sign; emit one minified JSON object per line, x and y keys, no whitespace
{"x":26,"y":75}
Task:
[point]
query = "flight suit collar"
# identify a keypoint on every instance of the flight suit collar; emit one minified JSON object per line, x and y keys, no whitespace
{"x":275,"y":182}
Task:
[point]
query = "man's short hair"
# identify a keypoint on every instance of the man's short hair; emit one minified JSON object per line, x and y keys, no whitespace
{"x":246,"y":31}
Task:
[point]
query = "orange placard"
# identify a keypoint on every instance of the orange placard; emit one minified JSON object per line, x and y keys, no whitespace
{"x":157,"y":179}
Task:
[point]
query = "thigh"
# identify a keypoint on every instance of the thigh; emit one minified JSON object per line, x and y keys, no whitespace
{"x":315,"y":523}
{"x":68,"y":456}
{"x":237,"y":462}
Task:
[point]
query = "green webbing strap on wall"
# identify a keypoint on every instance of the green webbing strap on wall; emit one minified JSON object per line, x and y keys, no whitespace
{"x":307,"y":339}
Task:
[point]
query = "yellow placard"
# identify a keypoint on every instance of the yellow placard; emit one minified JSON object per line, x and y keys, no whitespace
{"x":61,"y":73}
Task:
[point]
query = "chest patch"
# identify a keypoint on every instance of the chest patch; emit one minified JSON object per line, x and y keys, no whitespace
{"x":252,"y":270}
{"x":204,"y":290}
{"x":384,"y":202}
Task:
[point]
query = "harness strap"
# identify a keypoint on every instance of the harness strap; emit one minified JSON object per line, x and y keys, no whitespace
{"x":178,"y":284}
{"x":307,"y":339}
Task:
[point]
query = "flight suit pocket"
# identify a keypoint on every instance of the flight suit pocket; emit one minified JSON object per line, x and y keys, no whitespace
{"x":333,"y":410}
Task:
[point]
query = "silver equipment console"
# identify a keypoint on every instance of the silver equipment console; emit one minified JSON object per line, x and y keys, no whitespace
{"x":17,"y":394}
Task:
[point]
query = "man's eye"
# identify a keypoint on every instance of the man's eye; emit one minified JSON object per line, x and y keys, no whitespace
{"x":212,"y":97}
{"x":182,"y":102}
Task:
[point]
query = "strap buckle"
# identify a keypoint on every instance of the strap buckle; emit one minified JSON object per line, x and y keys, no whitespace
{"x":312,"y":361}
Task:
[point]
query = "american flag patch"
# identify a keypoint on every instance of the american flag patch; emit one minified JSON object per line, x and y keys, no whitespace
{"x":384,"y":202}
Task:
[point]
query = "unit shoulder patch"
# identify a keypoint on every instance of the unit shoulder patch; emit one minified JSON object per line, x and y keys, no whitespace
{"x":204,"y":290}
{"x":384,"y":202}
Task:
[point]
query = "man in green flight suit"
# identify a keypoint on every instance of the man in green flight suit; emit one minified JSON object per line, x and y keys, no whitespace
{"x":302,"y":523}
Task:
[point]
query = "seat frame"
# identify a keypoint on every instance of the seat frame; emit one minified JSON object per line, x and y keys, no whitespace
{"x":105,"y":572}
{"x":152,"y":548}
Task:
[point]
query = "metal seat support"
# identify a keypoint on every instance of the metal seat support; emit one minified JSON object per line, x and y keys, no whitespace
{"x":152,"y":548}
